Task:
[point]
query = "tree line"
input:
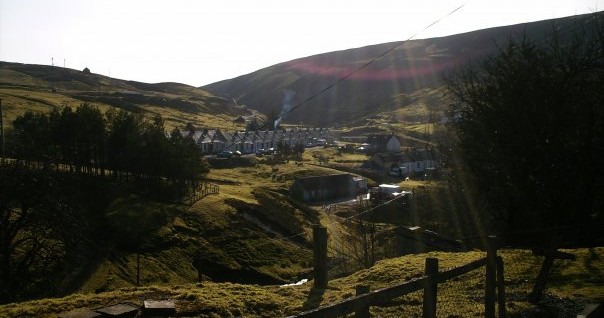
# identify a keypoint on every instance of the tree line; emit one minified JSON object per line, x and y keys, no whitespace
{"x":530,"y":127}
{"x":43,"y":232}
{"x":117,"y":143}
{"x":53,"y":219}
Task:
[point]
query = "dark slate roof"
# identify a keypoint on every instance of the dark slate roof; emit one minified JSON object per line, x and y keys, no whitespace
{"x":320,"y":182}
{"x":432,"y":239}
{"x":418,"y":155}
{"x":389,"y":157}
{"x":376,"y":139}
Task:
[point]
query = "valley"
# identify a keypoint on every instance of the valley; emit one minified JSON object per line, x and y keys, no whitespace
{"x":110,"y":225}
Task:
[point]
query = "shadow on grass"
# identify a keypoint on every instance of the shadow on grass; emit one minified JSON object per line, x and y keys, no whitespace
{"x":315,"y":296}
{"x":589,"y":260}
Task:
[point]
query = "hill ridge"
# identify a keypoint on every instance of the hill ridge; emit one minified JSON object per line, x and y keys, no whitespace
{"x":44,"y":88}
{"x":410,"y":67}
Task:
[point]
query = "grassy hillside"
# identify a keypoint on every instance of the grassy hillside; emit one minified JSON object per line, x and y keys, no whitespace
{"x":573,"y":285}
{"x":42,"y":88}
{"x":235,"y":236}
{"x":251,"y":232}
{"x":408,"y":68}
{"x":240,"y":235}
{"x":250,"y":226}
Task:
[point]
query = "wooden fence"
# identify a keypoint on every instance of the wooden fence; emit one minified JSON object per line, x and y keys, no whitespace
{"x":359,"y":304}
{"x":204,"y":189}
{"x":191,"y":193}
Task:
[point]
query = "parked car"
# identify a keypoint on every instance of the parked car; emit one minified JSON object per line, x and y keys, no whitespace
{"x":262,"y":152}
{"x":225,"y":154}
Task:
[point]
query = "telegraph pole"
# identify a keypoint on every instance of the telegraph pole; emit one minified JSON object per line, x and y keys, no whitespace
{"x":2,"y":131}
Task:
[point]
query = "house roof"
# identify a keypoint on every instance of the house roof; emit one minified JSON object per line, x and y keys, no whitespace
{"x":410,"y":156}
{"x":417,"y":155}
{"x":321,"y":182}
{"x":217,"y":135}
{"x":430,"y":238}
{"x":380,"y":139}
{"x":388,"y":157}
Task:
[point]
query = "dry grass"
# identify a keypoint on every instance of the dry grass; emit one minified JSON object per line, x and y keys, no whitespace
{"x":580,"y":279}
{"x":218,"y":225}
{"x":215,"y":226}
{"x":21,"y":92}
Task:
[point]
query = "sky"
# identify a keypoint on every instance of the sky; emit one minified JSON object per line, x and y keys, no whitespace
{"x":205,"y":41}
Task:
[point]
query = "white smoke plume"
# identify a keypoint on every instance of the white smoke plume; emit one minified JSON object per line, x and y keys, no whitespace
{"x":288,"y":97}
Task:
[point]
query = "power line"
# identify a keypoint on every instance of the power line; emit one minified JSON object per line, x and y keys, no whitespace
{"x":288,"y":238}
{"x":373,"y":60}
{"x":310,"y":98}
{"x":271,"y":121}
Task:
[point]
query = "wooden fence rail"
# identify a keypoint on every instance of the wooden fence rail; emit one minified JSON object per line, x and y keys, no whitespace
{"x":207,"y":188}
{"x":202,"y":190}
{"x":458,"y":271}
{"x":360,"y":303}
{"x":378,"y":297}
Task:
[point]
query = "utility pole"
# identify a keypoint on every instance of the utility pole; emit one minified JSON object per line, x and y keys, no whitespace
{"x":2,"y":130}
{"x":52,"y":81}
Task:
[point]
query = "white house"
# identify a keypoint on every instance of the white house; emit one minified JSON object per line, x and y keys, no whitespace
{"x":383,"y":143}
{"x":416,"y":162}
{"x":406,"y":164}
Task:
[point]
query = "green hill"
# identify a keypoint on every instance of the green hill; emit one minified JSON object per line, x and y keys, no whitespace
{"x":112,"y":222}
{"x":42,"y":88}
{"x":398,"y":79}
{"x":251,"y":232}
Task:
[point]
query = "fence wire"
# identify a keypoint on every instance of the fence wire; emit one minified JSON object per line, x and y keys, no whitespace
{"x":409,"y":305}
{"x":521,"y":269}
{"x":462,"y":296}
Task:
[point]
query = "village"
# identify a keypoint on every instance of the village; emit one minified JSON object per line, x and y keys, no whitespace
{"x":340,"y":193}
{"x":249,"y":142}
{"x":243,"y":159}
{"x":385,"y":149}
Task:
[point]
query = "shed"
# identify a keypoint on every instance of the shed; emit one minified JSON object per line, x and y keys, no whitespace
{"x":411,"y":240}
{"x":320,"y":188}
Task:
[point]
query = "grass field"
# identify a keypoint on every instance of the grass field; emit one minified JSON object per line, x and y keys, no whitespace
{"x":573,"y":284}
{"x":240,"y":229}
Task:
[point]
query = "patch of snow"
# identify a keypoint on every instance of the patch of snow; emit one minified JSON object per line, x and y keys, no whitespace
{"x":296,"y":284}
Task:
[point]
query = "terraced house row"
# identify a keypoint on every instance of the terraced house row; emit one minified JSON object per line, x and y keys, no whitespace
{"x":216,"y":141}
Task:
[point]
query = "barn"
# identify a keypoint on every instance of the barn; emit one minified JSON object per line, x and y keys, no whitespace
{"x":323,"y":188}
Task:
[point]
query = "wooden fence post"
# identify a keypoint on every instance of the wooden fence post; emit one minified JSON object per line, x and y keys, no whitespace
{"x":361,"y":308}
{"x":500,"y":288}
{"x":430,"y":288}
{"x":138,"y":269}
{"x":489,"y":286}
{"x":320,"y":255}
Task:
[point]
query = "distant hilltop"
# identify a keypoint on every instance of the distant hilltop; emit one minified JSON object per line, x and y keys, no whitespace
{"x":394,"y":80}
